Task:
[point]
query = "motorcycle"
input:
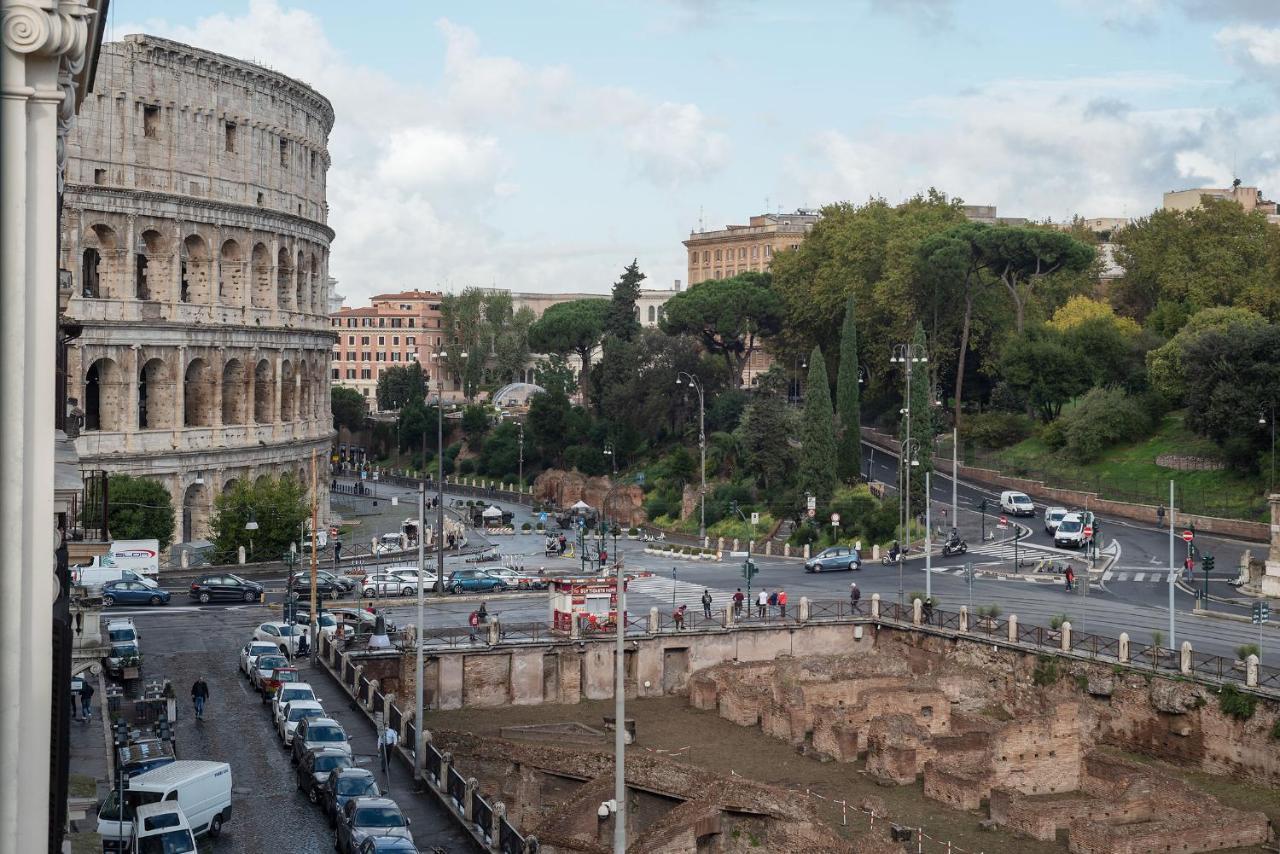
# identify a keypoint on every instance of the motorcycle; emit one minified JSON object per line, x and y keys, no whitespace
{"x":954,"y":546}
{"x":890,"y":558}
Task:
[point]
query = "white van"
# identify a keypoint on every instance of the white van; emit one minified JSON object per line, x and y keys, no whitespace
{"x":201,"y":788}
{"x":93,"y":577}
{"x":1017,"y":504}
{"x":141,"y":556}
{"x":161,"y":829}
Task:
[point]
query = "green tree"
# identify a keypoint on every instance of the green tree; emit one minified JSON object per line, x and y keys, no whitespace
{"x":571,"y":328}
{"x":621,"y":321}
{"x":278,"y":504}
{"x":1165,"y":365}
{"x":764,"y":434}
{"x":511,"y":346}
{"x":349,"y":408}
{"x":1232,"y":378}
{"x":1039,"y":365}
{"x":140,"y":509}
{"x":1022,"y":256}
{"x":848,"y":402}
{"x":400,"y":385}
{"x":818,"y":436}
{"x":548,"y":424}
{"x":730,"y":316}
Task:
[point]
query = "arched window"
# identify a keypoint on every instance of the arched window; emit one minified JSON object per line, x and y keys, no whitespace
{"x":89,"y":273}
{"x":653,"y":314}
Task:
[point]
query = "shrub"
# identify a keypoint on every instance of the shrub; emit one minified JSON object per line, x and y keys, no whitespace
{"x":996,"y":429}
{"x":1104,"y":417}
{"x":1054,"y":434}
{"x":1237,"y":704}
{"x":539,"y":526}
{"x":1247,"y":649}
{"x":526,"y":527}
{"x":1157,"y":639}
{"x":1046,"y":671}
{"x":632,"y":532}
{"x":1056,"y":621}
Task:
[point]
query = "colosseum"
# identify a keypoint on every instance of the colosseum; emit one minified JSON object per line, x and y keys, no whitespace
{"x":194,"y":232}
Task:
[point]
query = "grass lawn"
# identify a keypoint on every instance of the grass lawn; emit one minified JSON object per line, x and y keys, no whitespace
{"x":1130,"y":473}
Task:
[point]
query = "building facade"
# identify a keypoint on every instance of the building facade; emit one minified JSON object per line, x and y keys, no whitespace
{"x":1249,"y":198}
{"x":194,"y":229}
{"x":738,"y":249}
{"x":395,"y":330}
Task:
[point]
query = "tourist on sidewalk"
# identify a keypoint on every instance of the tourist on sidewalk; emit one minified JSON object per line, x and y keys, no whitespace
{"x":782,"y":603}
{"x":773,"y":601}
{"x":762,"y":603}
{"x":738,"y":599}
{"x":855,"y":597}
{"x":678,"y":617}
{"x":86,"y":699}
{"x":706,"y":604}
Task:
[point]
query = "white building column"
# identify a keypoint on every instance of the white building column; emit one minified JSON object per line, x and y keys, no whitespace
{"x":43,"y":45}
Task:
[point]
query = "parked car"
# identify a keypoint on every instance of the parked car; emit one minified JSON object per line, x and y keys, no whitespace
{"x":387,"y":845}
{"x":314,"y":767}
{"x":161,"y":829}
{"x":357,"y":621}
{"x":289,"y":692}
{"x":474,"y":581}
{"x":294,"y":713}
{"x":225,"y":586}
{"x":249,"y":655}
{"x":386,"y":584}
{"x":315,"y":733}
{"x":284,"y":635}
{"x":836,"y":557}
{"x":517,"y":579}
{"x":1016,"y":504}
{"x":279,"y":676}
{"x":343,"y":785}
{"x":132,"y":593}
{"x":360,"y":818}
{"x":121,"y":630}
{"x":410,"y":576}
{"x":302,"y":578}
{"x":1070,"y":531}
{"x":300,"y":586}
{"x":264,"y":666}
{"x":201,"y":788}
{"x":124,"y":660}
{"x":1052,"y":516}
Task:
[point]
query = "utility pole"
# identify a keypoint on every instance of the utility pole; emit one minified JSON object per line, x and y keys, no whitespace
{"x":1173,"y":575}
{"x":520,"y":445}
{"x":928,"y":540}
{"x":419,"y":750}
{"x":702,"y":446}
{"x":439,"y":585}
{"x":315,"y":616}
{"x":955,"y":474}
{"x":620,"y":722}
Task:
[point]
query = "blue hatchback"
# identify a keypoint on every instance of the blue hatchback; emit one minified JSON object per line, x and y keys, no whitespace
{"x":474,"y":581}
{"x":132,"y":593}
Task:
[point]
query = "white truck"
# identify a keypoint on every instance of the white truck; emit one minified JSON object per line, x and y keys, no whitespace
{"x":141,"y":556}
{"x":201,"y":788}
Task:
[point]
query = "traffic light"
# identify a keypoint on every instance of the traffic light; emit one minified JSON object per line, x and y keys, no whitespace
{"x":749,"y":569}
{"x":1208,"y":564}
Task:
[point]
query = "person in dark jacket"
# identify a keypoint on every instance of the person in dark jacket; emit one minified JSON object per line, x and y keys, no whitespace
{"x":86,"y":699}
{"x":199,"y":694}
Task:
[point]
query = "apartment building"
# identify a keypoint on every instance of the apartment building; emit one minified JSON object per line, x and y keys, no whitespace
{"x":394,"y":330}
{"x":738,"y":249}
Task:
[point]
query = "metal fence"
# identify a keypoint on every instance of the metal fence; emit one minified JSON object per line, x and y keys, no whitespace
{"x":482,"y":816}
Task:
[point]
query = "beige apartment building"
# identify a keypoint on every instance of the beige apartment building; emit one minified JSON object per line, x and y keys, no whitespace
{"x":1249,"y":198}
{"x":738,"y":249}
{"x":394,"y":330}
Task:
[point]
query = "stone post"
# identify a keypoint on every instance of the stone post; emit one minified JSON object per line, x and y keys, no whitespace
{"x":1184,"y":665}
{"x":875,"y":606}
{"x":495,"y":831}
{"x":575,"y":628}
{"x":875,"y":553}
{"x":728,"y":616}
{"x":917,"y":608}
{"x":469,"y":798}
{"x":706,"y":542}
{"x":240,"y":555}
{"x":373,"y":693}
{"x":735,"y":544}
{"x":964,"y":618}
{"x":806,"y":551}
{"x":531,"y":845}
{"x":495,"y":632}
{"x":1123,"y":653}
{"x":186,"y":559}
{"x":786,"y":549}
{"x":653,"y":620}
{"x":1251,"y":671}
{"x":719,"y":544}
{"x":1065,"y":632}
{"x":1013,"y":628}
{"x":446,"y":762}
{"x":768,"y":548}
{"x":804,"y":609}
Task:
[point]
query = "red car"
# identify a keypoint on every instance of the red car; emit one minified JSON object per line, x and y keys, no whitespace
{"x":272,"y":683}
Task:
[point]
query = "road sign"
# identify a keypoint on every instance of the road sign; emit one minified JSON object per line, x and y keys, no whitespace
{"x":812,"y":512}
{"x":1088,"y":532}
{"x":542,"y":517}
{"x":755,"y":518}
{"x":1261,"y":613}
{"x":1003,"y":523}
{"x":1188,"y":536}
{"x":812,"y":503}
{"x":835,"y":518}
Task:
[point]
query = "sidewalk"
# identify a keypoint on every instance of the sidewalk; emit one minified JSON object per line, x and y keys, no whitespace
{"x":89,"y":772}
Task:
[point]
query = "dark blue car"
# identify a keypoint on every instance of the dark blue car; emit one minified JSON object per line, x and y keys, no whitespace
{"x":474,"y":581}
{"x":132,"y":593}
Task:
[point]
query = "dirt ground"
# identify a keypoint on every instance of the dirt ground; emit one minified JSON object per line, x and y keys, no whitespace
{"x":668,"y":726}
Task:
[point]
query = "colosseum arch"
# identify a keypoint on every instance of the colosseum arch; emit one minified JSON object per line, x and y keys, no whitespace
{"x":261,"y":260}
{"x":194,"y":287}
{"x":307,"y":401}
{"x":155,"y":395}
{"x":99,"y":262}
{"x":234,"y":392}
{"x":196,"y":507}
{"x":197,"y":394}
{"x":230,"y":485}
{"x":303,"y":298}
{"x":288,"y":396}
{"x":231,"y":274}
{"x":284,"y":273}
{"x":147,"y":277}
{"x":103,"y":403}
{"x":263,"y":391}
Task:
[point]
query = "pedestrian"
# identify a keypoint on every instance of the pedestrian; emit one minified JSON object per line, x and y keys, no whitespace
{"x":706,"y":604}
{"x":782,"y":603}
{"x":773,"y":601}
{"x":1071,"y":577}
{"x":86,"y":699}
{"x":678,"y":617}
{"x":199,"y":694}
{"x":1160,"y":516}
{"x":762,"y":603}
{"x":855,"y":597}
{"x":387,"y":743}
{"x":337,"y":550}
{"x":738,"y":599}
{"x":473,"y":621}
{"x":75,"y":701}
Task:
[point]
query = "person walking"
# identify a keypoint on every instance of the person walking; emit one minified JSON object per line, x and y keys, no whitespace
{"x":762,"y":603}
{"x":855,"y":598}
{"x":773,"y":601}
{"x":782,"y":603}
{"x":386,"y":745}
{"x":86,"y":699}
{"x":1160,"y":516}
{"x":678,"y":617}
{"x":706,"y":604}
{"x":738,"y":599}
{"x":199,"y":695}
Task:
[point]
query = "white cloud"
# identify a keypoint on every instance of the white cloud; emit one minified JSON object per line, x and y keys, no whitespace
{"x":1255,"y":49}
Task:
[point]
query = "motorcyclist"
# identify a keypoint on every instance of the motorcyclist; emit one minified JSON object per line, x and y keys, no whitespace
{"x":894,"y":551}
{"x":954,"y":539}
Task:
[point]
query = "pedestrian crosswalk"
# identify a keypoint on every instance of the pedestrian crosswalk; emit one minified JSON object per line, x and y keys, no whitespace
{"x":1158,"y":576}
{"x":685,"y":592}
{"x":1005,"y":551}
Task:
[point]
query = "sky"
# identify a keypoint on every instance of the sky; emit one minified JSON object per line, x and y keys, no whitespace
{"x":542,"y":147}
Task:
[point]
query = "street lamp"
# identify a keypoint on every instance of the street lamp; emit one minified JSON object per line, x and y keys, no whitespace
{"x":439,"y":356}
{"x":1262,"y":419}
{"x":798,"y":364}
{"x":613,"y":457}
{"x":908,"y":355}
{"x":520,"y":445}
{"x":251,"y":526}
{"x":908,"y":449}
{"x":702,"y":445}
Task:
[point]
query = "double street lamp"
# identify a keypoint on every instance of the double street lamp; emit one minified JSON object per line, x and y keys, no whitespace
{"x":1262,"y":419}
{"x":908,"y":449}
{"x":681,"y":378}
{"x":613,"y":457}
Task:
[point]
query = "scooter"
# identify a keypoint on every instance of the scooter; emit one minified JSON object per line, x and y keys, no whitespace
{"x":954,"y":546}
{"x":890,"y":558}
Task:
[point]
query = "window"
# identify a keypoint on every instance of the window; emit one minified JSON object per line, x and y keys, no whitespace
{"x":719,"y":274}
{"x":379,"y":356}
{"x":768,"y":251}
{"x":382,"y":340}
{"x":351,"y":373}
{"x":313,"y":164}
{"x":411,"y":323}
{"x":410,"y":341}
{"x":364,"y":339}
{"x":284,"y":153}
{"x":229,"y":136}
{"x":382,"y":321}
{"x":395,"y":357}
{"x":653,"y":316}
{"x":351,"y":339}
{"x":99,"y":176}
{"x":89,"y":273}
{"x":706,"y":257}
{"x":693,"y":257}
{"x":151,"y":121}
{"x":718,"y":254}
{"x":259,"y":199}
{"x":742,"y":253}
{"x":366,"y":374}
{"x":351,"y":356}
{"x":755,"y":252}
{"x":364,"y":356}
{"x":395,"y":340}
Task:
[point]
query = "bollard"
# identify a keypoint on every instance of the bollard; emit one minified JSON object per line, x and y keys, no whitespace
{"x":1185,"y":664}
{"x":964,"y":618}
{"x":1123,"y":654}
{"x":469,"y":798}
{"x":653,"y":620}
{"x":917,"y":608}
{"x":875,"y":552}
{"x":735,"y":544}
{"x":186,"y":559}
{"x":531,"y":845}
{"x":1251,"y":671}
{"x":806,"y":551}
{"x":1065,"y":631}
{"x":495,"y":631}
{"x":768,"y":548}
{"x":1013,"y":628}
{"x":720,"y":544}
{"x":786,"y":549}
{"x":373,"y":692}
{"x":803,"y":615}
{"x":706,"y":542}
{"x":240,"y":555}
{"x":446,"y":762}
{"x":495,"y":829}
{"x":728,"y":616}
{"x":875,"y":606}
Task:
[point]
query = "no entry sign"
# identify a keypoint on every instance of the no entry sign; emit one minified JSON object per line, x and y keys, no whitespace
{"x":1188,"y":536}
{"x":1088,"y":531}
{"x":1004,"y":522}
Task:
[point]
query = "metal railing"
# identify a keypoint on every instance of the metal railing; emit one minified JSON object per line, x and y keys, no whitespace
{"x":482,"y":816}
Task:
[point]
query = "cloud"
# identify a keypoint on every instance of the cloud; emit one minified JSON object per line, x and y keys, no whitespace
{"x":927,"y":15}
{"x":1146,"y":16}
{"x":1107,"y":108}
{"x":1253,"y":48}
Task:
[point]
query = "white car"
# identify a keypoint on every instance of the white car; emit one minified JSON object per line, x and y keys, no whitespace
{"x":1017,"y":504}
{"x":293,"y":714}
{"x":515,"y":578}
{"x":286,"y":694}
{"x":1070,"y":531}
{"x":386,"y":584}
{"x":411,"y":577}
{"x":1052,"y":516}
{"x":284,"y":635}
{"x":249,"y":654}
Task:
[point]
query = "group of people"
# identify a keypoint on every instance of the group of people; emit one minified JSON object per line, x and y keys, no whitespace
{"x":766,"y":602}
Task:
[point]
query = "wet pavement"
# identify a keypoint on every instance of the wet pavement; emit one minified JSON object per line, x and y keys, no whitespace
{"x":269,"y":813}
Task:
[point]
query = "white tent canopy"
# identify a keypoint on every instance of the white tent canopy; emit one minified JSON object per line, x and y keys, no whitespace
{"x":492,"y":512}
{"x":581,"y":505}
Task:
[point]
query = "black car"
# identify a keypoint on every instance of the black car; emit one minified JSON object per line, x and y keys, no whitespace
{"x":343,"y":785}
{"x":225,"y":586}
{"x":314,"y":768}
{"x":327,"y":585}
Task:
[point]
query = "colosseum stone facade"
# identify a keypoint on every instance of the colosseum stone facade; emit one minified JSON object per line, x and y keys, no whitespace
{"x":194,"y":232}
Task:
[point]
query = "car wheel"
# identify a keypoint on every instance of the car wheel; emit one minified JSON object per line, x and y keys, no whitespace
{"x":204,"y":597}
{"x":108,"y":600}
{"x":215,"y":826}
{"x":250,"y":596}
{"x":499,"y":588}
{"x":853,"y":564}
{"x":457,"y":588}
{"x":408,"y":591}
{"x":156,"y":600}
{"x":368,"y":591}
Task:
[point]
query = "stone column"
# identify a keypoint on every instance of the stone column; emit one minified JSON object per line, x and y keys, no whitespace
{"x":964,"y":618}
{"x":469,"y":798}
{"x":275,"y":400}
{"x":1184,"y":662}
{"x":130,"y":421}
{"x":916,"y":608}
{"x":446,"y":762}
{"x":129,"y":287}
{"x":215,"y":271}
{"x":275,"y":281}
{"x":1123,"y":654}
{"x":1251,"y":671}
{"x":217,"y":366}
{"x":1271,"y":574}
{"x":179,"y":391}
{"x":653,"y":621}
{"x":175,"y":262}
{"x":875,"y":606}
{"x":1065,"y":631}
{"x":1013,"y":628}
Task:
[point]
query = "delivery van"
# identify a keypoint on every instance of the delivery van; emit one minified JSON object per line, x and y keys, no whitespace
{"x":161,"y":829}
{"x":201,"y":788}
{"x":92,"y":577}
{"x":141,"y":556}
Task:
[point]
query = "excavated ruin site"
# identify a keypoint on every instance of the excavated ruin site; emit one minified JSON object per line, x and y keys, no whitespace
{"x":990,"y":750}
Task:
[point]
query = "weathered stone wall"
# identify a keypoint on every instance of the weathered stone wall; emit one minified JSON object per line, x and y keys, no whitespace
{"x":622,"y":502}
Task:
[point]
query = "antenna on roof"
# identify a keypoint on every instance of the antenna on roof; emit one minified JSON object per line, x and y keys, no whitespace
{"x":701,"y":226}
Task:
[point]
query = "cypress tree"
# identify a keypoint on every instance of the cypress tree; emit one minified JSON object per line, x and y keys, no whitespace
{"x":818,"y":435}
{"x":848,"y":401}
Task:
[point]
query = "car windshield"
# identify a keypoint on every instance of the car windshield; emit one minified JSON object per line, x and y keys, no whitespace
{"x":122,"y":649}
{"x":290,"y":630}
{"x":1021,"y":499}
{"x":294,"y":693}
{"x":117,"y":635}
{"x":326,"y":620}
{"x":1069,"y":526}
{"x":297,"y":714}
{"x":270,"y":662}
{"x":1056,"y":515}
{"x":285,"y":676}
{"x":326,"y":733}
{"x":378,"y":817}
{"x":172,"y":842}
{"x":328,"y":763}
{"x":357,"y":787}
{"x":261,"y":649}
